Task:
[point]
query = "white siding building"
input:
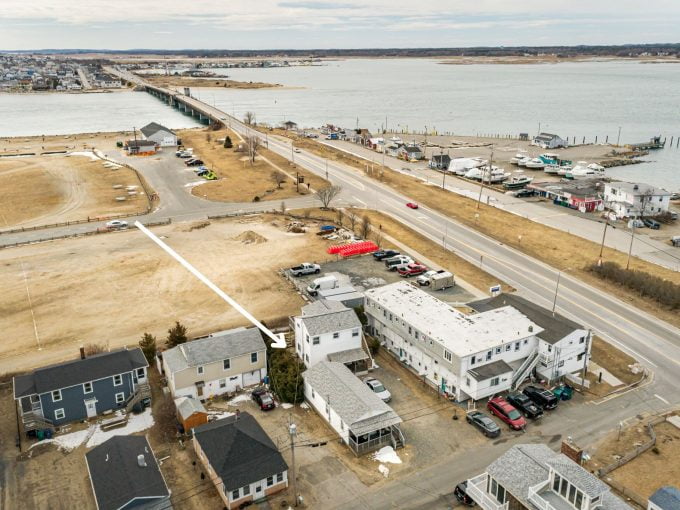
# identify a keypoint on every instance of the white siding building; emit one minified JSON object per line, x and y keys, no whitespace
{"x":627,"y":199}
{"x":163,"y":136}
{"x":329,"y":330}
{"x":549,"y":141}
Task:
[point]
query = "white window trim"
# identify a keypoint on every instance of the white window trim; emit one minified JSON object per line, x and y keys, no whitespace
{"x":200,"y":370}
{"x":122,"y":399}
{"x":91,"y":388}
{"x":121,"y":380}
{"x":57,"y":399}
{"x":63,"y":414}
{"x":257,"y":358}
{"x":228,"y":361}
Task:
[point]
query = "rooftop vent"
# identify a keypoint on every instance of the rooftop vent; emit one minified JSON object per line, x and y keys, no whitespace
{"x":635,"y":186}
{"x":141,"y":461}
{"x":531,"y":329}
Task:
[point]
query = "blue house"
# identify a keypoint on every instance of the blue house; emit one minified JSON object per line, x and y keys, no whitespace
{"x":84,"y":388}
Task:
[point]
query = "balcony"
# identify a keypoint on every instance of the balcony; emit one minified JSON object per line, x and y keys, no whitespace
{"x":541,"y":500}
{"x":476,"y":489}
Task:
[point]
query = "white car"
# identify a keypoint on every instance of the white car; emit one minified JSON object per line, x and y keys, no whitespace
{"x":297,"y":150}
{"x":378,"y":389}
{"x":424,"y":279}
{"x":116,"y":224}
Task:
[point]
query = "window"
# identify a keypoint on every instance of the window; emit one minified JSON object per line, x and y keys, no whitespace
{"x":246,"y":490}
{"x":199,"y":370}
{"x":526,"y":341}
{"x":579,"y":500}
{"x":87,"y":387}
{"x":117,"y":380}
{"x":416,"y":335}
{"x":59,"y":414}
{"x":572,"y":494}
{"x":299,"y":347}
{"x":336,"y":335}
{"x":140,"y":373}
{"x":495,"y":381}
{"x":472,"y":360}
{"x":307,"y":338}
{"x":234,"y":494}
{"x":467,"y":381}
{"x":507,"y":347}
{"x":564,"y":487}
{"x":253,"y":357}
{"x":56,"y":396}
{"x":580,"y":356}
{"x":307,"y":358}
{"x":561,"y":363}
{"x":279,"y":478}
{"x":488,"y":355}
{"x":355,"y":332}
{"x":226,"y":364}
{"x":447,"y":355}
{"x":316,"y":340}
{"x":409,"y":330}
{"x":517,"y":344}
{"x":223,"y":383}
{"x":550,"y":348}
{"x":582,"y":340}
{"x":498,"y":350}
{"x":556,"y":483}
{"x":258,"y":488}
{"x":120,"y":398}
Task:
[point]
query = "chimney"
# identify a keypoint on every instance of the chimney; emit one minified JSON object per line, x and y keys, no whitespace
{"x":140,"y":460}
{"x":82,"y":352}
{"x":531,"y":328}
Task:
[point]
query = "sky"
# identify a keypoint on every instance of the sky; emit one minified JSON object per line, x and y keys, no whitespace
{"x":307,"y":24}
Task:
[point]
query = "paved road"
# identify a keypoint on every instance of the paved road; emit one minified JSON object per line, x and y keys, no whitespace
{"x":644,"y":246}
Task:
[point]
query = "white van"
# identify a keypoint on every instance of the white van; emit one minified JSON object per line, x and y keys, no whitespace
{"x":323,"y":283}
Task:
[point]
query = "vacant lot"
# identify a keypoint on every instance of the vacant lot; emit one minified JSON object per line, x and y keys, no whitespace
{"x":111,"y":288}
{"x":217,"y":81}
{"x":239,"y":180}
{"x":51,"y":189}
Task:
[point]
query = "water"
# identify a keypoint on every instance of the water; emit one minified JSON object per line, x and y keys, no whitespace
{"x":572,"y":99}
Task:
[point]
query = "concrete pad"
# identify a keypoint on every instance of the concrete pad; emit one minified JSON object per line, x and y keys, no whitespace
{"x":674,"y":420}
{"x":607,"y":376}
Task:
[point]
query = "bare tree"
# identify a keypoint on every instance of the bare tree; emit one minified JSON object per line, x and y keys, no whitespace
{"x":252,"y":144}
{"x":353,"y":218}
{"x":249,"y":118}
{"x":327,"y":194}
{"x":278,"y":178}
{"x":645,"y":199}
{"x":341,"y":216}
{"x":365,"y":226}
{"x":378,"y":238}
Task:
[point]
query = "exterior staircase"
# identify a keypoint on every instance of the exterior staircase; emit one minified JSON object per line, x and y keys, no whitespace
{"x":142,"y":391}
{"x":525,"y":369}
{"x":398,"y":439}
{"x":35,"y":421}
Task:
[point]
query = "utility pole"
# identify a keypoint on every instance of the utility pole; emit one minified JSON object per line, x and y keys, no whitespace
{"x":557,"y":287}
{"x":630,"y":250}
{"x":292,"y":152}
{"x":481,"y":182}
{"x":618,"y":138}
{"x":297,"y":182}
{"x":326,"y":168}
{"x":585,"y":359}
{"x":292,"y":430}
{"x":441,"y":158}
{"x":606,"y":224}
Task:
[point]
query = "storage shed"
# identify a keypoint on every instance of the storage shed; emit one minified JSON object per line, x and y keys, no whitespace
{"x":190,"y":412}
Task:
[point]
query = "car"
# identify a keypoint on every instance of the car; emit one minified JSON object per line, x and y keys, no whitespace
{"x":411,"y":205}
{"x":522,"y":193}
{"x":507,"y":413}
{"x":392,"y":262}
{"x":424,"y":279}
{"x":413,"y":269}
{"x":263,"y":399}
{"x":525,"y":405}
{"x":654,"y":225}
{"x":193,"y":162}
{"x":385,"y":254}
{"x":541,"y":397}
{"x":378,"y":388}
{"x":297,"y":150}
{"x":461,"y":494}
{"x":484,"y":423}
{"x":116,"y":224}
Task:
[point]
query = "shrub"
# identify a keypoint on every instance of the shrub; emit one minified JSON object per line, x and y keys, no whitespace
{"x":373,"y":345}
{"x":285,"y":371}
{"x":148,"y":345}
{"x":176,"y":335}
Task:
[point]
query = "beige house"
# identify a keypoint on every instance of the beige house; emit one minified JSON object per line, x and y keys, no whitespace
{"x":222,"y":362}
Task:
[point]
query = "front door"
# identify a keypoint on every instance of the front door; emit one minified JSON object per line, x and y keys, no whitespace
{"x":91,"y":407}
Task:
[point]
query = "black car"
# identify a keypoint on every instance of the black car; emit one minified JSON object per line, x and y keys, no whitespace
{"x":654,"y":225}
{"x":263,"y":398}
{"x":384,"y":254}
{"x":193,"y":162}
{"x":523,"y":193}
{"x":480,"y":420}
{"x":461,"y":494}
{"x":541,"y":397}
{"x":525,"y":405}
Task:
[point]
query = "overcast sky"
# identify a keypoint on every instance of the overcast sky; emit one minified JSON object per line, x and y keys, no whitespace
{"x":278,"y":24}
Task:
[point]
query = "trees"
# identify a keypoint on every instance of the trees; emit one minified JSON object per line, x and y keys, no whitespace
{"x":365,"y":226}
{"x":249,"y":118}
{"x":645,"y":199}
{"x":327,"y":194}
{"x":148,"y":346}
{"x":228,"y":143}
{"x":176,"y":335}
{"x":278,"y":178}
{"x":285,"y":371}
{"x":353,"y":218}
{"x":252,"y":144}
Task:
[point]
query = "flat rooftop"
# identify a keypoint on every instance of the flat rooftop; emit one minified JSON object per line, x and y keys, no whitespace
{"x":461,"y":334}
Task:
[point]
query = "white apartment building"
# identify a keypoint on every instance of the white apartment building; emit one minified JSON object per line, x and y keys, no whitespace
{"x":329,"y":331}
{"x":627,"y":200}
{"x":470,"y":356}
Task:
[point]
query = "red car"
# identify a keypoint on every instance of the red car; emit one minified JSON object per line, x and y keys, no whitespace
{"x":501,"y":408}
{"x":413,"y":269}
{"x":263,"y":399}
{"x":412,"y":205}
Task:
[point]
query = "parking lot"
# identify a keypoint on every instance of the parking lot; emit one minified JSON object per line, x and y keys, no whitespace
{"x":365,"y":272}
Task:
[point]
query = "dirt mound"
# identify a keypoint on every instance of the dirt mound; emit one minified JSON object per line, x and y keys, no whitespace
{"x":196,"y":225}
{"x":250,"y":237}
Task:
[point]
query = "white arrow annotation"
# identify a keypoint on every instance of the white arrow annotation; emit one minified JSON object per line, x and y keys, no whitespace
{"x":279,"y":342}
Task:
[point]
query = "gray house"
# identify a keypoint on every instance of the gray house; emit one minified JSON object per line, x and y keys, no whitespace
{"x":81,"y":389}
{"x":159,"y":134}
{"x":124,"y":474}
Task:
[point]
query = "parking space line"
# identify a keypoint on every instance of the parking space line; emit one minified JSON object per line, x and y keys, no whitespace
{"x":662,"y":399}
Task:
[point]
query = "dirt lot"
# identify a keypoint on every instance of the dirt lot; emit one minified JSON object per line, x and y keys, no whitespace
{"x":239,"y":181}
{"x":217,"y":81}
{"x":111,"y":288}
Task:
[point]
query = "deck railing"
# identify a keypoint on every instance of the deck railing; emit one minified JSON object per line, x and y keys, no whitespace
{"x":476,"y":489}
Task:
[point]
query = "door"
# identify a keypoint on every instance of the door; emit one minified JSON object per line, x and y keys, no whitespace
{"x":199,"y":390}
{"x":251,"y":378}
{"x":91,"y":407}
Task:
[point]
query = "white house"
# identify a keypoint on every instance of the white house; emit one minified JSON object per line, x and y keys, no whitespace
{"x":533,"y":477}
{"x":222,"y":362}
{"x":627,"y":199}
{"x":549,"y":141}
{"x":159,"y":134}
{"x":329,"y":330}
{"x":473,"y":356}
{"x":362,"y":420}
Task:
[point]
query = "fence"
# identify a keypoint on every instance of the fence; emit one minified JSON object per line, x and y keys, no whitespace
{"x":627,"y":493}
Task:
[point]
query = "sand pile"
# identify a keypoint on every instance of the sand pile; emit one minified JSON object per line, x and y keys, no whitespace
{"x":250,"y":237}
{"x":196,"y":225}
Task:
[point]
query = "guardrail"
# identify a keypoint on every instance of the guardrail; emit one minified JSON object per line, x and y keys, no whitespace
{"x":72,"y":222}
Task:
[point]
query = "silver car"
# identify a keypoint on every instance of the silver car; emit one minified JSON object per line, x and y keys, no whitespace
{"x":378,"y":388}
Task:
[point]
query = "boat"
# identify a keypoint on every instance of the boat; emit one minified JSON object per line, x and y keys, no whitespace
{"x":523,"y":161}
{"x":517,"y":182}
{"x":517,"y":157}
{"x":475,"y":173}
{"x":536,"y":163}
{"x":552,"y":169}
{"x":460,"y":166}
{"x":585,"y":172}
{"x":550,"y":158}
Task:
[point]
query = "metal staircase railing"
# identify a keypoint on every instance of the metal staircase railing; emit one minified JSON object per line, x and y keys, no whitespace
{"x":525,"y":369}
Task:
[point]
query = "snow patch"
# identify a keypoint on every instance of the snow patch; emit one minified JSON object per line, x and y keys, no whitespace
{"x":388,"y":455}
{"x":220,"y":415}
{"x":304,"y":405}
{"x":238,"y":398}
{"x":67,"y":442}
{"x":384,"y":470}
{"x":286,"y":405}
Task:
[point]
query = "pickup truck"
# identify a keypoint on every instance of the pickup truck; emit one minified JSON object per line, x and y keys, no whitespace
{"x":413,"y":269}
{"x":305,"y":268}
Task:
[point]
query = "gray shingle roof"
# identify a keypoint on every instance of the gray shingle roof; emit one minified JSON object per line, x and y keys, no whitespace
{"x":70,"y":373}
{"x":186,"y":406}
{"x":640,"y":188}
{"x":348,"y":356}
{"x":358,"y":407}
{"x":490,"y":370}
{"x":326,"y":316}
{"x":218,"y":346}
{"x":116,"y":476}
{"x":239,"y":450}
{"x":666,"y":498}
{"x":582,"y":479}
{"x":154,"y":127}
{"x":555,"y":328}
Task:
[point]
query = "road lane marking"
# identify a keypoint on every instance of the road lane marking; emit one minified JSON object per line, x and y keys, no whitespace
{"x":359,"y":200}
{"x":662,"y":399}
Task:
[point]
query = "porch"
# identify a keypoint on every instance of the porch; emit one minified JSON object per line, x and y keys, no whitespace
{"x":365,"y":443}
{"x":477,"y":490}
